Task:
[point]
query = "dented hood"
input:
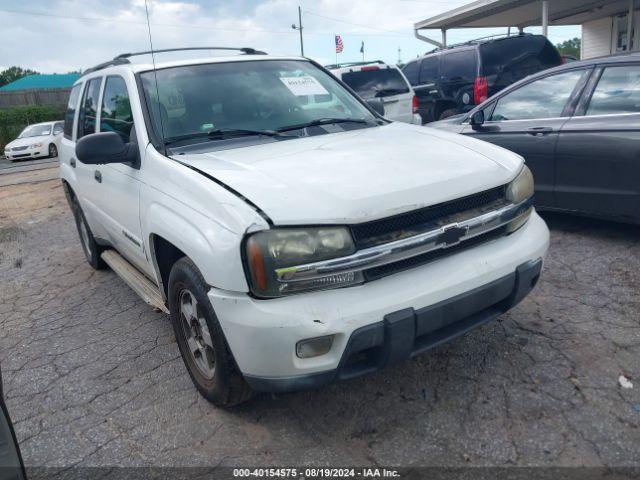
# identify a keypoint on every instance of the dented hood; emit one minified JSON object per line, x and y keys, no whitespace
{"x":359,"y":175}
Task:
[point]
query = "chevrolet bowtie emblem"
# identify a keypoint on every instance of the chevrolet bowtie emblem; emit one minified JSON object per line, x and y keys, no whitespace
{"x":452,"y":234}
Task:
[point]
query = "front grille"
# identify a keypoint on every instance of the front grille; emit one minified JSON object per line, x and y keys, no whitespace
{"x":18,"y":149}
{"x":413,"y":223}
{"x":390,"y":269}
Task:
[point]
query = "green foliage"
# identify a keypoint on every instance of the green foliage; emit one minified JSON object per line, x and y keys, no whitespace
{"x":12,"y":74}
{"x":570,"y":47}
{"x":14,"y":120}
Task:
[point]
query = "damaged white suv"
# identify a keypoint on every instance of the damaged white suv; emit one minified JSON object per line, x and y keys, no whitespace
{"x":294,"y":235}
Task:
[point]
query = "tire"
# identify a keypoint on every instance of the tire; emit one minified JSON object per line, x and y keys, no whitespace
{"x":90,"y":248}
{"x":53,"y":150}
{"x":204,"y":349}
{"x":450,"y":112}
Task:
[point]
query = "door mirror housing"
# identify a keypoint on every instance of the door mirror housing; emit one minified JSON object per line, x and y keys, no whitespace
{"x":105,"y":147}
{"x":477,"y":119}
{"x":377,"y":105}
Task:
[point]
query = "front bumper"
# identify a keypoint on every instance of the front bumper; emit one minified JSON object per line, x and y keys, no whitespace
{"x":25,"y":154}
{"x":381,"y":322}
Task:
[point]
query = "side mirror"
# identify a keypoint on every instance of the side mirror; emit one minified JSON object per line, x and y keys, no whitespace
{"x":377,"y":105}
{"x":477,"y":119}
{"x":105,"y":147}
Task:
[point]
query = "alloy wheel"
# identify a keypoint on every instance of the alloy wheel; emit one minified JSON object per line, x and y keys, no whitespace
{"x":197,"y":335}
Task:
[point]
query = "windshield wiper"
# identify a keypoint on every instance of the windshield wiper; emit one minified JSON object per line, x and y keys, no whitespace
{"x":222,"y":133}
{"x":323,"y":121}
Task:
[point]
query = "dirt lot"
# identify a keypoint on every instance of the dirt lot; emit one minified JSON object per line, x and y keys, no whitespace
{"x":93,"y":376}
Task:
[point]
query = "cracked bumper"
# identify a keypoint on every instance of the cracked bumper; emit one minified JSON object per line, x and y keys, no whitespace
{"x":381,"y":322}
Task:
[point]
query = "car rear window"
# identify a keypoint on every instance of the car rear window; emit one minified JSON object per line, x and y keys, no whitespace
{"x":410,"y":71}
{"x":429,"y":69}
{"x":381,"y":82}
{"x":459,"y":65}
{"x":512,"y":59}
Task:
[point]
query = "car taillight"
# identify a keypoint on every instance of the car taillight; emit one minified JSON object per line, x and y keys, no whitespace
{"x":368,"y":69}
{"x":480,"y":90}
{"x":415,"y":104}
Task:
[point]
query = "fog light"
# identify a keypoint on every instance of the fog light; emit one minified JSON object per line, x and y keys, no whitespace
{"x":314,"y":347}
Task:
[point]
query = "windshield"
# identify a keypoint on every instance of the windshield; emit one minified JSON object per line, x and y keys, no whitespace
{"x":262,"y":95}
{"x":376,"y":82}
{"x":35,"y":130}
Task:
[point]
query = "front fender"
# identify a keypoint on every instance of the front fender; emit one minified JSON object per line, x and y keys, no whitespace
{"x":214,"y":249}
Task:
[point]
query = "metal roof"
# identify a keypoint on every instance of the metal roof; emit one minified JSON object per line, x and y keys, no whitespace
{"x":523,"y":13}
{"x":42,"y":82}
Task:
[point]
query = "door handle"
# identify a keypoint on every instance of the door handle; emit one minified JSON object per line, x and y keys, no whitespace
{"x":97,"y":176}
{"x":539,"y":131}
{"x":72,"y":162}
{"x":433,"y":92}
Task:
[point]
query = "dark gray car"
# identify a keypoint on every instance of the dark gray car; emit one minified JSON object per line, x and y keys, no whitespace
{"x":578,"y":128}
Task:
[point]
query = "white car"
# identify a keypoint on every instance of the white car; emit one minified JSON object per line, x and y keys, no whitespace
{"x":291,"y":245}
{"x":386,"y":83}
{"x":36,"y":141}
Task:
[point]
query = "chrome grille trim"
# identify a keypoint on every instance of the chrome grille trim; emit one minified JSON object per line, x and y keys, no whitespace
{"x":408,"y":247}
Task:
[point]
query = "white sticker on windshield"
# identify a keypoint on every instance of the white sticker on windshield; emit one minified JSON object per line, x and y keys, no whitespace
{"x":305,"y":85}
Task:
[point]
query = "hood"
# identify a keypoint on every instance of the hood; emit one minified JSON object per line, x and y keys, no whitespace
{"x":359,"y":175}
{"x":451,"y":124}
{"x":22,"y":142}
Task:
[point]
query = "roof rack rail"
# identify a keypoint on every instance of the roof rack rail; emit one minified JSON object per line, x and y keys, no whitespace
{"x":123,"y":58}
{"x":352,"y":64}
{"x":474,"y":41}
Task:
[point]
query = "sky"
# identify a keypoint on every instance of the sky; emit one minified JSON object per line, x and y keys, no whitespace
{"x":58,"y":36}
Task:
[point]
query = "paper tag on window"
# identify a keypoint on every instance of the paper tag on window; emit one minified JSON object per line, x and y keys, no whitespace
{"x":305,"y":85}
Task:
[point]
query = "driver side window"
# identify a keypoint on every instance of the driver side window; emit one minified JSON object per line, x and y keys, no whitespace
{"x":544,"y":98}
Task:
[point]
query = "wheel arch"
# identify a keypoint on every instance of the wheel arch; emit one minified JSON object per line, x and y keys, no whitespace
{"x":214,"y":249}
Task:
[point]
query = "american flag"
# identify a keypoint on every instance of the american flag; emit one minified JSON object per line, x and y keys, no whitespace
{"x":339,"y":44}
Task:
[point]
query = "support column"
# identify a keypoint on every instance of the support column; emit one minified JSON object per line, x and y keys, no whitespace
{"x":630,"y":25}
{"x":444,"y":38}
{"x":545,"y":17}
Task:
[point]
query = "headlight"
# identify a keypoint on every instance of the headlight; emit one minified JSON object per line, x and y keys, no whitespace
{"x":35,"y":145}
{"x":281,"y":248}
{"x":518,"y":191}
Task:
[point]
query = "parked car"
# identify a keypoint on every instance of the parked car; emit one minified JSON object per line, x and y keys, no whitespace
{"x":291,"y":244}
{"x":376,"y":80}
{"x":578,"y":128}
{"x":11,"y":466}
{"x":453,"y":80}
{"x":35,"y":141}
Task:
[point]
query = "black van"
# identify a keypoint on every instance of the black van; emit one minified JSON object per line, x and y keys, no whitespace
{"x":453,"y":80}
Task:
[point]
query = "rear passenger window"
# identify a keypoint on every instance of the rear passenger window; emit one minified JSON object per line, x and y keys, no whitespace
{"x":410,"y":71}
{"x":618,"y":91}
{"x":459,"y":65}
{"x":89,"y":108}
{"x":71,"y":111}
{"x":116,"y":109}
{"x":544,"y":98}
{"x":429,"y":69}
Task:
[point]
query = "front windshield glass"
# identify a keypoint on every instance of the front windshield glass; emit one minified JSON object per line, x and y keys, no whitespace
{"x":35,"y":131}
{"x":265,"y":95}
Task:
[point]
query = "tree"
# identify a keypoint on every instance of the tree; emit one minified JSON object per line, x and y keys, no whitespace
{"x":12,"y":74}
{"x":570,"y":47}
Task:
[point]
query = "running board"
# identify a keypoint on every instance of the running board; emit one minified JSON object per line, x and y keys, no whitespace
{"x":136,"y":280}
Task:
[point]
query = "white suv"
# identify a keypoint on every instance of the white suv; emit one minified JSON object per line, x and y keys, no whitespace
{"x":293,"y":240}
{"x":386,"y":83}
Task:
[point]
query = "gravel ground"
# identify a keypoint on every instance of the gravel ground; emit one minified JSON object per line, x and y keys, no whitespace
{"x":93,"y":376}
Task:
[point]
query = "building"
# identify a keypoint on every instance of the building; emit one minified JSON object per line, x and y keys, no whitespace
{"x":605,"y":23}
{"x":38,"y":90}
{"x":42,"y":82}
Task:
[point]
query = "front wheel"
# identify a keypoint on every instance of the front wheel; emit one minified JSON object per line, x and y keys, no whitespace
{"x":200,"y":338}
{"x":53,"y":151}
